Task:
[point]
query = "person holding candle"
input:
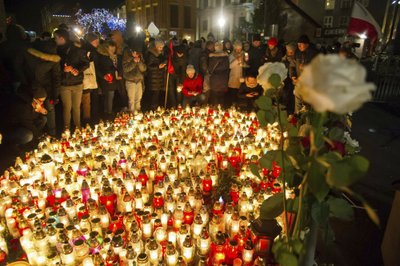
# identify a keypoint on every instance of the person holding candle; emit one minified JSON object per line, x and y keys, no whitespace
{"x":108,"y":74}
{"x":74,"y":62}
{"x":192,"y":87}
{"x":249,"y":91}
{"x":134,"y":69}
{"x":29,"y":119}
{"x":156,"y":64}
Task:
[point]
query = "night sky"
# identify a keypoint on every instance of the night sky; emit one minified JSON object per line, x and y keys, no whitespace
{"x":27,"y":12}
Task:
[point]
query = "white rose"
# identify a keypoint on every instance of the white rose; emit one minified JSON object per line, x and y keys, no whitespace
{"x":330,"y":83}
{"x":266,"y":71}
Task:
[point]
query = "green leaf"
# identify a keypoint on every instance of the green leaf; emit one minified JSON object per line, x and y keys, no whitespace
{"x":287,"y":259}
{"x":283,"y":118}
{"x":297,"y":246}
{"x":316,"y":181}
{"x":262,"y":118}
{"x":336,"y":134}
{"x":331,"y":157}
{"x":270,"y":117}
{"x":255,"y":170}
{"x":346,"y":172}
{"x":264,"y":103}
{"x":272,"y":207}
{"x":275,"y":80}
{"x":266,"y":161}
{"x":320,"y":213}
{"x":340,"y":208}
{"x":271,"y":92}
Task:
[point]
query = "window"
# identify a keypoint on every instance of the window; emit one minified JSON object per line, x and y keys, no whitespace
{"x":328,"y":21}
{"x":187,"y":17}
{"x":346,"y":4}
{"x":217,"y":3}
{"x":329,"y":4}
{"x":227,"y":2}
{"x":205,"y":3}
{"x":204,"y":26}
{"x":344,"y":21}
{"x":174,"y":16}
{"x":155,"y":13}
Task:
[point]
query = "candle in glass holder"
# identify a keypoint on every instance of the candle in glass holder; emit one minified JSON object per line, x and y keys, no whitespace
{"x":158,"y":201}
{"x":207,"y":184}
{"x":204,"y":242}
{"x":218,"y":249}
{"x":188,"y":250}
{"x":248,"y":252}
{"x":232,"y":252}
{"x":188,"y":214}
{"x":147,"y":227}
{"x":171,"y":255}
{"x":108,"y":199}
{"x":153,"y":250}
{"x":178,"y":218}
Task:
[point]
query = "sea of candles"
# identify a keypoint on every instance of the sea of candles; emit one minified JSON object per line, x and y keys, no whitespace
{"x":140,"y":189}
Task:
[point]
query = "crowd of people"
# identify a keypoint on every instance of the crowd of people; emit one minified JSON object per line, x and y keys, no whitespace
{"x":93,"y":77}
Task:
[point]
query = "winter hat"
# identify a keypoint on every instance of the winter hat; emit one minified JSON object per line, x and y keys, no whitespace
{"x":218,"y":46}
{"x":190,"y":69}
{"x":91,"y":36}
{"x":273,"y":41}
{"x":39,"y":93}
{"x":291,"y":46}
{"x":237,"y":44}
{"x":303,"y":39}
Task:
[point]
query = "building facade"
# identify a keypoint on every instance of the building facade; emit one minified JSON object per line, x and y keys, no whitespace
{"x":170,"y":16}
{"x":334,"y":15}
{"x":223,"y":17}
{"x":58,"y":13}
{"x":2,"y":18}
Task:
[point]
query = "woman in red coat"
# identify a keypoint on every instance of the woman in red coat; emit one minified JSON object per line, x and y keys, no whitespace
{"x":192,"y":87}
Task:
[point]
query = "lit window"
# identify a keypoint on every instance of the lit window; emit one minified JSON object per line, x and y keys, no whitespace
{"x":328,"y":21}
{"x":329,"y":4}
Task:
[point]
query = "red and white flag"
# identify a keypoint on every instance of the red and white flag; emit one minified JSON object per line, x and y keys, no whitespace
{"x":363,"y":24}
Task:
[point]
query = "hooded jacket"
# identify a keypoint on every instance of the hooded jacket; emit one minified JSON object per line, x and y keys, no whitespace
{"x":74,"y":56}
{"x":218,"y":68}
{"x":192,"y":85}
{"x":40,"y":69}
{"x":132,"y":71}
{"x":106,"y":66}
{"x":155,"y":74}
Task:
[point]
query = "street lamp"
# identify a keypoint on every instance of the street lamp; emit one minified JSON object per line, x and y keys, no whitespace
{"x":138,"y":29}
{"x":221,"y":24}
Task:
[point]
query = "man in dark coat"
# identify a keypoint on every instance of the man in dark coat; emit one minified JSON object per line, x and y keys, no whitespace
{"x":304,"y":55}
{"x":194,"y":55}
{"x":73,"y":62}
{"x":255,"y":55}
{"x":218,"y":69}
{"x":155,"y":80}
{"x":179,"y":62}
{"x":40,"y":68}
